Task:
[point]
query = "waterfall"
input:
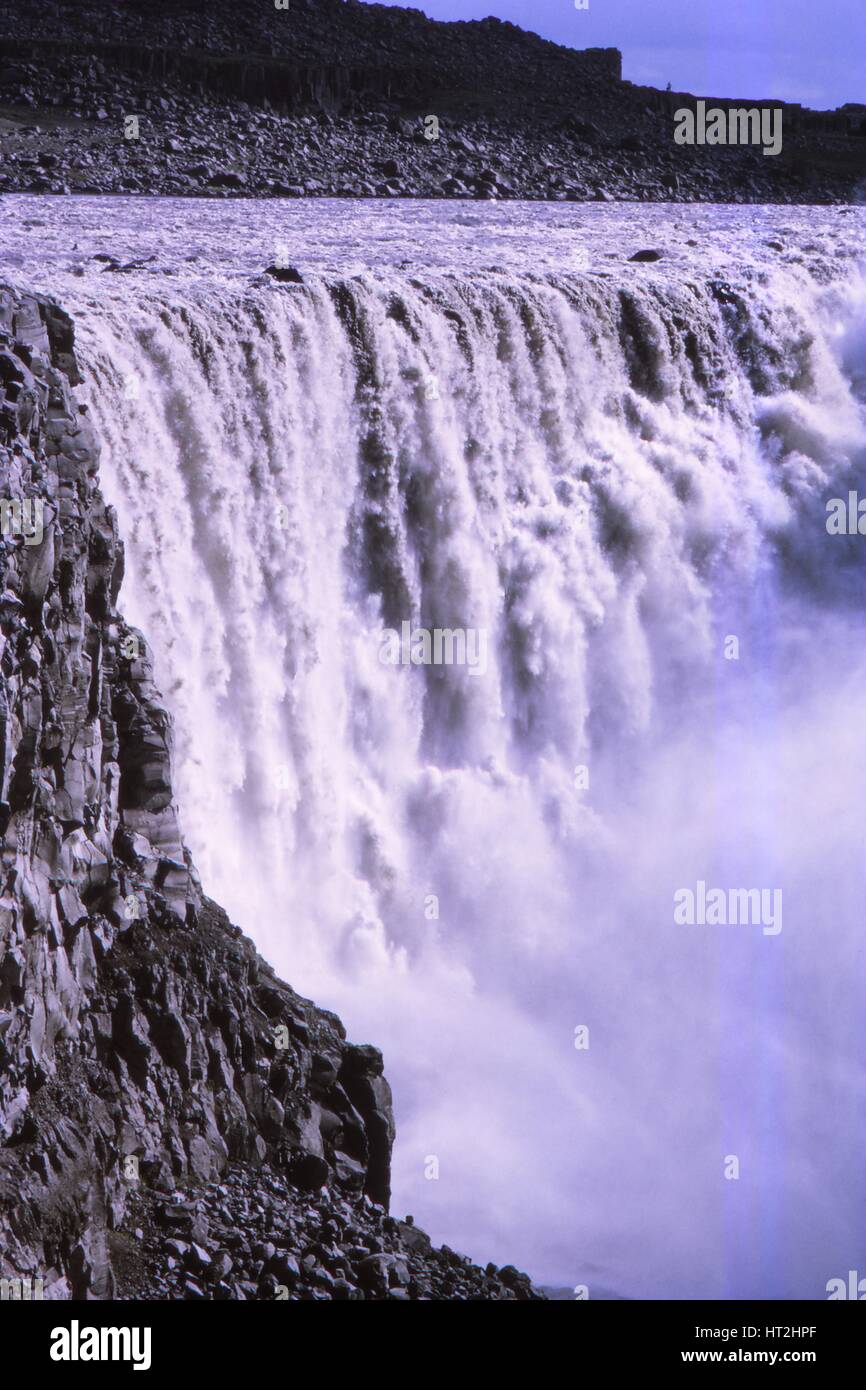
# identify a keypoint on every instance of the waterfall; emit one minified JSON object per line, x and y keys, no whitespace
{"x":592,"y":483}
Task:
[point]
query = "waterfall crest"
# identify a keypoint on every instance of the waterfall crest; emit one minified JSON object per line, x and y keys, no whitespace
{"x":607,"y":479}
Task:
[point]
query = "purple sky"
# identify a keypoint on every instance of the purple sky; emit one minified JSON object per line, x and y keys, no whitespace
{"x":796,"y":50}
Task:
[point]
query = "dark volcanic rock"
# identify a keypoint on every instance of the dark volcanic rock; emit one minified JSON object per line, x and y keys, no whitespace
{"x":217,"y":99}
{"x":286,"y":274}
{"x":175,"y":1121}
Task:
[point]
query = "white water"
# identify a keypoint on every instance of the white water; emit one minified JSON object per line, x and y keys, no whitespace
{"x":608,"y":472}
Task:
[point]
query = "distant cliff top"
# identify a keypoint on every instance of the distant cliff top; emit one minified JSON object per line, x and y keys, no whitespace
{"x":327,"y":98}
{"x":489,"y":54}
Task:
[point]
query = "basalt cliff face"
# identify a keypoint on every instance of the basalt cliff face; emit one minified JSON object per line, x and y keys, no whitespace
{"x":327,"y":98}
{"x":175,"y":1121}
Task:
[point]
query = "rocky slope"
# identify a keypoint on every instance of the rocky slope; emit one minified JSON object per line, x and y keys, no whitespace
{"x":330,"y":98}
{"x":174,"y":1120}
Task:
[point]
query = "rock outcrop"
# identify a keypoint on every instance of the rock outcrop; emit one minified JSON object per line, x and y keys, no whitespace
{"x":175,"y":1121}
{"x":333,"y":98}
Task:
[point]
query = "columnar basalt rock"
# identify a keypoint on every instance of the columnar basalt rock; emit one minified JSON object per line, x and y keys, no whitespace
{"x":156,"y":1077}
{"x":336,"y":99}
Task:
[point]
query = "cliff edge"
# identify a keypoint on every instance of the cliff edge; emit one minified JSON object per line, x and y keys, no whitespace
{"x":214,"y":99}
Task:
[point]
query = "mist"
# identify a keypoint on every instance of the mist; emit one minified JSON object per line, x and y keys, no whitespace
{"x":619,"y":476}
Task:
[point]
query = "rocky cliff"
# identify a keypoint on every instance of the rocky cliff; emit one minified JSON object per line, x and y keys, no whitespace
{"x":333,"y":98}
{"x":175,"y":1121}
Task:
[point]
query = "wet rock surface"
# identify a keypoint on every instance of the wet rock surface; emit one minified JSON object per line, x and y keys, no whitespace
{"x":156,"y":1077}
{"x":335,"y":99}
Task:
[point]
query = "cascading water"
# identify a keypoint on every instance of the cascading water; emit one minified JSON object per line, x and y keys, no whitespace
{"x":613,"y":480}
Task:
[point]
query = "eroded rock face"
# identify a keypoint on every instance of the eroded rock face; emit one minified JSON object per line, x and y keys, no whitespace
{"x":175,"y":1121}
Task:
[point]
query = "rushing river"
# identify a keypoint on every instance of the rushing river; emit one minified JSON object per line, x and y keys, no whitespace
{"x":607,"y":481}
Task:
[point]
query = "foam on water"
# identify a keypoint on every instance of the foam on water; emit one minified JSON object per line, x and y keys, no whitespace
{"x":607,"y":469}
